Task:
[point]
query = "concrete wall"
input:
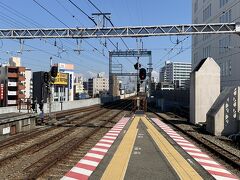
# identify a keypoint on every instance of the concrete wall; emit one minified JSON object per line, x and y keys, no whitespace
{"x":223,"y":117}
{"x":56,"y":106}
{"x":16,"y":126}
{"x":172,"y":100}
{"x":204,"y":89}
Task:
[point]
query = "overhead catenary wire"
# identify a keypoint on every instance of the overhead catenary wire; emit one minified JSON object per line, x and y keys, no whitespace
{"x":107,"y":19}
{"x":22,"y":16}
{"x":66,"y":25}
{"x":91,"y":20}
{"x":38,"y":49}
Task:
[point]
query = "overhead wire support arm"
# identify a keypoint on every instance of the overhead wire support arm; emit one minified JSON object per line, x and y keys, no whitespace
{"x":116,"y":32}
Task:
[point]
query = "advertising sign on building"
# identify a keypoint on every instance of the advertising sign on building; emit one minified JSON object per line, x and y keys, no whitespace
{"x":1,"y":91}
{"x":61,"y":79}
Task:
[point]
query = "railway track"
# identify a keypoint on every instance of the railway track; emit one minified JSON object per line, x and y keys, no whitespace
{"x":230,"y":158}
{"x":29,"y":135}
{"x":36,"y":169}
{"x":67,"y":139}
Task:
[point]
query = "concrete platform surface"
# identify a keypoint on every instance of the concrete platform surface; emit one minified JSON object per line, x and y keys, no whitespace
{"x":145,"y":148}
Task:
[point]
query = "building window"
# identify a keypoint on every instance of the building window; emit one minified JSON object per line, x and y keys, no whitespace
{"x":195,"y":58}
{"x":224,"y":44}
{"x":207,"y":51}
{"x":226,"y":17}
{"x":230,"y":67}
{"x":196,"y":6}
{"x":223,"y":2}
{"x":207,"y":12}
{"x":206,"y":37}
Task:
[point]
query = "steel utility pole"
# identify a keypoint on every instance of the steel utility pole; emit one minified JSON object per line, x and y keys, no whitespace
{"x":50,"y":92}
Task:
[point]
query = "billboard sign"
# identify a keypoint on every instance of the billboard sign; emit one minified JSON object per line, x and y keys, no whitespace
{"x":61,"y":79}
{"x":1,"y":91}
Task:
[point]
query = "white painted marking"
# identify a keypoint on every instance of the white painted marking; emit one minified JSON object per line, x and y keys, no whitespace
{"x":99,"y":149}
{"x":216,"y":169}
{"x":94,"y":155}
{"x":174,"y":134}
{"x":105,"y":140}
{"x":109,"y":137}
{"x":112,"y":134}
{"x":112,"y":131}
{"x":186,"y":144}
{"x":198,"y":154}
{"x":176,"y":137}
{"x":180,"y":140}
{"x":223,"y":178}
{"x":88,"y":162}
{"x":67,"y":178}
{"x":81,"y":171}
{"x":101,"y":144}
{"x":206,"y":161}
{"x":191,"y":149}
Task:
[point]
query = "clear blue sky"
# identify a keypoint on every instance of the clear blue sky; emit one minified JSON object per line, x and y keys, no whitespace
{"x":36,"y":53}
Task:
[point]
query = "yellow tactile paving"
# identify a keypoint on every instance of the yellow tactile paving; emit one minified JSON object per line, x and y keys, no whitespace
{"x":180,"y":165}
{"x":117,"y":167}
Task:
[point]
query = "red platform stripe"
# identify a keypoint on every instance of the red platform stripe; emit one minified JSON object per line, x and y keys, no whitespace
{"x":211,"y":165}
{"x":101,"y":147}
{"x":85,"y":166}
{"x":76,"y":175}
{"x":200,"y":157}
{"x":222,"y":174}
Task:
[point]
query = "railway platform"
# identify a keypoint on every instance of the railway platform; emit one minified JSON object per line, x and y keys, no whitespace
{"x":141,"y":147}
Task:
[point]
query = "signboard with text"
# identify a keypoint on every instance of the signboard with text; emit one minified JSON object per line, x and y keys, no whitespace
{"x":61,"y":79}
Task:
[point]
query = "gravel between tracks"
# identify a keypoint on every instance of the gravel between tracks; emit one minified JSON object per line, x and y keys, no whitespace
{"x":13,"y":169}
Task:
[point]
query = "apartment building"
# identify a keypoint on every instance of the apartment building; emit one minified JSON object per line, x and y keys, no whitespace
{"x":98,"y":86}
{"x":224,"y":48}
{"x":12,"y":77}
{"x":177,"y":73}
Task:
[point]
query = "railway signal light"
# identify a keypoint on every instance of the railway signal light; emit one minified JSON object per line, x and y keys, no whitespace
{"x":54,"y":71}
{"x":142,"y":74}
{"x":137,"y":66}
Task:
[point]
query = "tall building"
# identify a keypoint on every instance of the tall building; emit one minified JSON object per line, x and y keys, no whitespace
{"x":98,"y":86}
{"x":78,"y":84}
{"x":224,"y":48}
{"x":12,"y":77}
{"x":177,"y":73}
{"x":28,"y":83}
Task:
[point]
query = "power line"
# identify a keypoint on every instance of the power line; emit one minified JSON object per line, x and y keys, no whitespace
{"x":51,"y":13}
{"x":107,"y":19}
{"x":65,"y":25}
{"x":89,"y":18}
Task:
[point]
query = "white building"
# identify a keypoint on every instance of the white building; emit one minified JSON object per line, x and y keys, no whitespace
{"x":224,"y":49}
{"x":98,"y":86}
{"x":64,"y":91}
{"x":28,"y":83}
{"x":177,"y":73}
{"x":78,"y":83}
